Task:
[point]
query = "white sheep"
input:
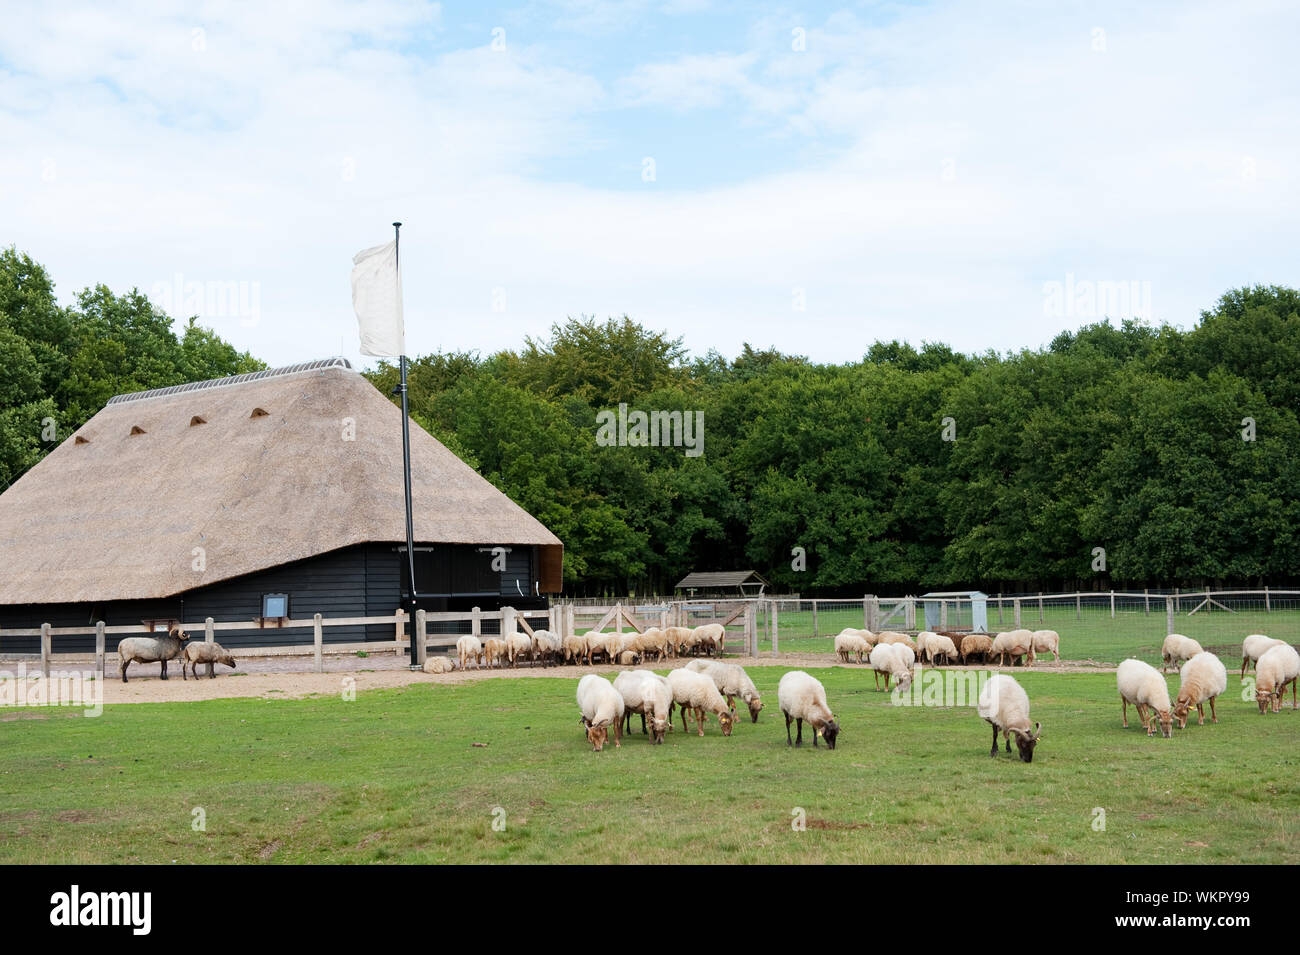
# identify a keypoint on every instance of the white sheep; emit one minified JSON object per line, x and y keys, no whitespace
{"x":1004,"y":704}
{"x":698,"y":693}
{"x":495,"y":652}
{"x":1176,"y":649}
{"x":1275,"y":669}
{"x":1048,"y":641}
{"x":907,"y":654}
{"x":547,"y":647}
{"x":886,"y":658}
{"x":679,"y":640}
{"x":439,"y":664}
{"x":938,"y":646}
{"x":575,"y":648}
{"x":1143,"y":685}
{"x":469,"y":647}
{"x":601,"y":706}
{"x":922,"y":641}
{"x":1013,"y":644}
{"x":893,"y":636}
{"x":851,"y":642}
{"x":732,"y":682}
{"x":711,"y":637}
{"x":802,"y":697}
{"x":1254,"y":647}
{"x":1203,"y":678}
{"x":518,"y":646}
{"x":652,"y":644}
{"x":646,"y":693}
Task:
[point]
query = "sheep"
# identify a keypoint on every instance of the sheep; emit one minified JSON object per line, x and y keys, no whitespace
{"x":886,"y":658}
{"x":653,"y":644}
{"x":866,"y":635}
{"x":648,"y":694}
{"x":575,"y":648}
{"x":907,"y":654}
{"x":802,"y":697}
{"x":732,"y":681}
{"x":711,"y":637}
{"x":601,"y":705}
{"x":892,"y":636}
{"x":152,"y":650}
{"x":629,"y":658}
{"x":922,"y":641}
{"x":547,"y":647}
{"x":1013,"y":644}
{"x":980,"y":644}
{"x":1143,"y":686}
{"x":600,"y":645}
{"x":439,"y":664}
{"x":1048,"y":641}
{"x":681,"y":639}
{"x":469,"y":647}
{"x":851,"y":642}
{"x":697,"y":692}
{"x":209,"y":653}
{"x":1275,"y":669}
{"x":940,"y":646}
{"x":1254,"y":647}
{"x":518,"y":645}
{"x":1004,"y":704}
{"x":495,"y":652}
{"x":1203,"y":677}
{"x":1177,"y":649}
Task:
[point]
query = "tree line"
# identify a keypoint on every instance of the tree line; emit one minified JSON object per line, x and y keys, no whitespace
{"x":1114,"y":456}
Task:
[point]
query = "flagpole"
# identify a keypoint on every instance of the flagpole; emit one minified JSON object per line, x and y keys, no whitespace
{"x":406,"y":470}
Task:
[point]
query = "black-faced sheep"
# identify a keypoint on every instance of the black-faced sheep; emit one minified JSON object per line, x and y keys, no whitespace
{"x":802,"y":697}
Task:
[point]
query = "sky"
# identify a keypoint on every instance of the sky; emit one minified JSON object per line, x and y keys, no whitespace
{"x":810,"y":177}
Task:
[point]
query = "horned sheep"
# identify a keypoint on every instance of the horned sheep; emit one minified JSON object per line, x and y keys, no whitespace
{"x":698,"y":693}
{"x":152,"y":650}
{"x":1004,"y":704}
{"x":888,"y":659}
{"x":1203,"y":678}
{"x":1254,"y":647}
{"x":1177,"y":649}
{"x":1144,"y":686}
{"x":850,"y":642}
{"x":601,"y":706}
{"x":648,"y":694}
{"x":802,"y":697}
{"x":732,"y":682}
{"x":1275,"y":669}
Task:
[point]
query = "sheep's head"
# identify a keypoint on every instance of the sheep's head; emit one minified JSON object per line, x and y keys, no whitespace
{"x":229,"y":661}
{"x":755,"y":705}
{"x":726,"y":720}
{"x":658,"y":727}
{"x":828,"y":731}
{"x":1026,"y":742}
{"x":597,"y":734}
{"x":1166,"y":718}
{"x":1181,"y":709}
{"x":178,"y":634}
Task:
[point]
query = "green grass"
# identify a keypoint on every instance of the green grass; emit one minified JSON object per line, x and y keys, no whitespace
{"x":395,"y":777}
{"x":1094,"y":635}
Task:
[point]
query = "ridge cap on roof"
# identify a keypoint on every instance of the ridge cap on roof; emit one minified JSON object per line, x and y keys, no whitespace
{"x":300,"y":368}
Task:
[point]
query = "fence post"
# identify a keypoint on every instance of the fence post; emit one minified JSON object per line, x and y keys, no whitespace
{"x":814,"y":618}
{"x":1169,"y":615}
{"x":1267,"y":608}
{"x":1178,"y":603}
{"x":866,"y":612}
{"x":399,"y":628}
{"x":909,"y":615}
{"x":999,"y":610}
{"x":508,"y":625}
{"x":751,"y":629}
{"x":318,"y":637}
{"x":421,"y":649}
{"x":209,"y":631}
{"x":99,"y":648}
{"x":46,"y":649}
{"x":1040,"y":609}
{"x":1078,"y":606}
{"x":776,"y":628}
{"x":1112,"y":604}
{"x":1146,"y":599}
{"x":476,"y":622}
{"x":943,"y":615}
{"x":1015,"y":607}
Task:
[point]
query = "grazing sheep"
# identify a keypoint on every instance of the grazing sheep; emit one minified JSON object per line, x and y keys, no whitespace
{"x":976,"y":644}
{"x":1254,"y":647}
{"x":575,"y":648}
{"x":802,"y":697}
{"x":1203,"y":678}
{"x":922,"y":640}
{"x":495,"y":652}
{"x":629,"y":658}
{"x":439,"y":664}
{"x":648,"y":694}
{"x":711,"y":638}
{"x":732,"y":681}
{"x":893,"y":636}
{"x":1275,"y":669}
{"x":1176,"y":649}
{"x":888,"y":659}
{"x":518,"y":645}
{"x":601,"y":706}
{"x":1048,"y":641}
{"x":940,"y":646}
{"x":152,"y":650}
{"x":1014,"y":644}
{"x":1004,"y":704}
{"x":1142,"y":685}
{"x":653,"y":644}
{"x":469,"y":647}
{"x":209,"y":653}
{"x":697,"y":692}
{"x":679,"y":640}
{"x":866,"y":635}
{"x":850,"y":642}
{"x":547,"y":648}
{"x":907,"y":654}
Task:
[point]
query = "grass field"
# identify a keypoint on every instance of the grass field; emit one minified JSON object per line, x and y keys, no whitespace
{"x":1095,"y":635}
{"x":394,"y":777}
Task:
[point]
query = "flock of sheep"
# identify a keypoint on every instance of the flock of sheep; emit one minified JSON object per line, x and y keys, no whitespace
{"x":175,"y":644}
{"x":628,"y":649}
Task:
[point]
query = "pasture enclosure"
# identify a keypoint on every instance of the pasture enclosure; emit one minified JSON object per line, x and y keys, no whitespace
{"x":494,"y":770}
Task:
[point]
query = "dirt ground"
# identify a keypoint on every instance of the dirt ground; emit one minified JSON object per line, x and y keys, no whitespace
{"x":292,"y":677}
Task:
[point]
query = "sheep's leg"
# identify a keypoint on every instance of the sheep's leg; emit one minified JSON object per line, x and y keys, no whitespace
{"x":1007,"y":734}
{"x":1125,"y":702}
{"x":164,"y":669}
{"x":699,"y":720}
{"x":1214,"y":717}
{"x":196,"y":675}
{"x":788,"y":741}
{"x":212,"y":670}
{"x":1200,"y":714}
{"x":798,"y":740}
{"x":994,"y":751}
{"x":643,"y":729}
{"x":124,"y":666}
{"x":1243,"y":667}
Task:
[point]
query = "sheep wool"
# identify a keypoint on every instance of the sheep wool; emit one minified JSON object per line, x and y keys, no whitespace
{"x":1178,"y":648}
{"x":1048,"y":641}
{"x":1013,"y":644}
{"x":648,"y":694}
{"x":1004,"y":704}
{"x":152,"y":650}
{"x":696,"y":692}
{"x":438,"y":664}
{"x":209,"y":653}
{"x":850,"y":642}
{"x":803,"y":698}
{"x":888,"y":658}
{"x":732,"y":682}
{"x":1203,"y":678}
{"x":468,"y":648}
{"x":1275,"y":669}
{"x":1143,"y":685}
{"x":1254,"y":647}
{"x":601,"y":705}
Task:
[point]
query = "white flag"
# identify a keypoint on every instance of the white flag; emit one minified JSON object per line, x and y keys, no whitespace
{"x":377,"y":299}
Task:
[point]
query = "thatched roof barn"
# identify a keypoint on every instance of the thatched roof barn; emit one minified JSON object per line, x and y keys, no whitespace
{"x":288,"y":479}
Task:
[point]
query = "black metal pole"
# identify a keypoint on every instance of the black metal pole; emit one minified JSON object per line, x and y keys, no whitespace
{"x":406,"y":472}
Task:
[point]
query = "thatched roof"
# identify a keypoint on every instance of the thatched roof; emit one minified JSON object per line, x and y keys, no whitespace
{"x":714,"y":580}
{"x":257,"y":470}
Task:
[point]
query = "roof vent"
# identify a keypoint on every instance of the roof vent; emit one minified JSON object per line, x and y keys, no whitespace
{"x":80,"y":440}
{"x":259,"y":413}
{"x":136,"y":429}
{"x":198,"y":419}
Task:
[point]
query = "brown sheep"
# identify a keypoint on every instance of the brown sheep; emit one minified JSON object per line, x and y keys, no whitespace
{"x":976,"y":645}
